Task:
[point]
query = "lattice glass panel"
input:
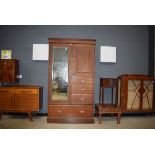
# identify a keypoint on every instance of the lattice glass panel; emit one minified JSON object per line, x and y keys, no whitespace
{"x":148,"y":95}
{"x":133,"y":102}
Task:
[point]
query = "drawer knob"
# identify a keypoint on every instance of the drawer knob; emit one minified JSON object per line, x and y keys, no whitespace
{"x":59,"y":111}
{"x":82,"y":111}
{"x":82,"y":99}
{"x":82,"y":81}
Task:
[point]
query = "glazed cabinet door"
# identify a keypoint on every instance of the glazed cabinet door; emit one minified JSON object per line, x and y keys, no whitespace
{"x":140,"y":95}
{"x":137,"y":93}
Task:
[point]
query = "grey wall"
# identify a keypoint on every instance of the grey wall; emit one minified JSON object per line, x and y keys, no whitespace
{"x":131,"y":42}
{"x":151,"y":51}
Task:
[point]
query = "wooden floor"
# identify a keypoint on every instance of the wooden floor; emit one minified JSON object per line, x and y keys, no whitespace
{"x":127,"y":122}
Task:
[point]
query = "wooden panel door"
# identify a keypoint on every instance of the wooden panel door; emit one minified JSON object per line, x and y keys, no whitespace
{"x":82,"y":60}
{"x":27,"y":99}
{"x":6,"y":98}
{"x":5,"y":71}
{"x":8,"y":70}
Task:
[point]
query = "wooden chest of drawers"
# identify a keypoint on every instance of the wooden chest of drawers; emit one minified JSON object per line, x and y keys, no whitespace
{"x":25,"y":99}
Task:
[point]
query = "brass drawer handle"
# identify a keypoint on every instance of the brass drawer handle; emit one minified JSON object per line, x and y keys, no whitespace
{"x":59,"y":111}
{"x":82,"y":99}
{"x":82,"y":81}
{"x":82,"y":111}
{"x":25,"y":91}
{"x":4,"y":91}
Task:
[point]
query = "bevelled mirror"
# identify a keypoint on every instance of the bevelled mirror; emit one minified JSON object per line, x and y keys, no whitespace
{"x":59,"y":73}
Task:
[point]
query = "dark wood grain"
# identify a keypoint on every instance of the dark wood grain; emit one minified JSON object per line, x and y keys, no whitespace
{"x":79,"y":106}
{"x":9,"y":69}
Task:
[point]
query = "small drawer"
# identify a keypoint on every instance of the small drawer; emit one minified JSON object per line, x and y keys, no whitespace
{"x":6,"y":90}
{"x":82,"y":99}
{"x":70,"y":111}
{"x":26,"y":91}
{"x":82,"y":80}
{"x":6,"y":63}
{"x":82,"y":89}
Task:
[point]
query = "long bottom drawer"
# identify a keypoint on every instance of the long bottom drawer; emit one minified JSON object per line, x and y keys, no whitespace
{"x":70,"y":111}
{"x":70,"y":120}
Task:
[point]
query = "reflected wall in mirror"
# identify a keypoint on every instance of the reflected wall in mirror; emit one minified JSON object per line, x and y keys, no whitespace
{"x":60,"y":73}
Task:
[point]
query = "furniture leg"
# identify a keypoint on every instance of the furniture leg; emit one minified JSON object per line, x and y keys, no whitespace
{"x":96,"y":112}
{"x":30,"y":116}
{"x":1,"y":114}
{"x":118,"y":118}
{"x":100,"y":118}
{"x":112,"y":114}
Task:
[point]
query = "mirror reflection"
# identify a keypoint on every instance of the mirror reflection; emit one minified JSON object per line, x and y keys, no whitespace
{"x":60,"y":73}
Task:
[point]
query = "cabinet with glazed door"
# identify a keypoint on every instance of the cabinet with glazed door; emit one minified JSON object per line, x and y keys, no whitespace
{"x":137,"y":93}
